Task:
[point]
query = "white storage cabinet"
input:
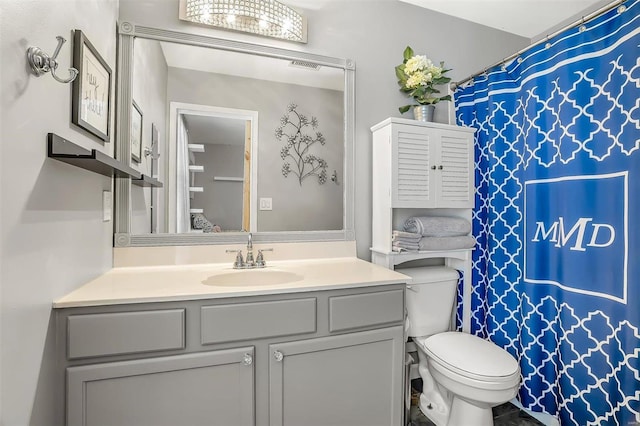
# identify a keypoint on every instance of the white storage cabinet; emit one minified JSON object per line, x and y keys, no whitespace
{"x":417,"y":167}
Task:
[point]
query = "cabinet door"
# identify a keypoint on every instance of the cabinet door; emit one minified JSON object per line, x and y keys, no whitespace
{"x":455,"y":182}
{"x":211,"y":388}
{"x":411,"y":174}
{"x":351,"y":379}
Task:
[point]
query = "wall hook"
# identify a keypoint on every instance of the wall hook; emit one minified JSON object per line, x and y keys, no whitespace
{"x":334,"y":177}
{"x":42,"y":63}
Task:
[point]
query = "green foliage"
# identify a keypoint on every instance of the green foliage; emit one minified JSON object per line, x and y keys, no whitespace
{"x":419,"y":78}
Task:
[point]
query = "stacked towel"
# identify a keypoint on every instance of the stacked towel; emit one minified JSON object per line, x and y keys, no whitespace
{"x":405,"y":240}
{"x":447,"y":243}
{"x":438,"y":226}
{"x":433,"y":233}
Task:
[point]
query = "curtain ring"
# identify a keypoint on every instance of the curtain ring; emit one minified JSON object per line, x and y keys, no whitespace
{"x":583,"y":27}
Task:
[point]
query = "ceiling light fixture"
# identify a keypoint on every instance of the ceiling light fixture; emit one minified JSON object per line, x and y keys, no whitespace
{"x":268,"y":18}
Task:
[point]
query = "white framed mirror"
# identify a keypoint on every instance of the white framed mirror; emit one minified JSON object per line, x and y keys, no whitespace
{"x":291,"y":177}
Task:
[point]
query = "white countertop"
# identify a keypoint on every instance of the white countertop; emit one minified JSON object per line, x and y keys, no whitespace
{"x":143,"y":284}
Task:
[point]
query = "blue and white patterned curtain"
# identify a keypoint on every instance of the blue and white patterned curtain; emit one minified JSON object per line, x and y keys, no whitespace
{"x":556,"y":274}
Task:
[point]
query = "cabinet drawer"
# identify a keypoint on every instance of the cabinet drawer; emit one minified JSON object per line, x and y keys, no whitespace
{"x":363,"y":310}
{"x":94,"y":335}
{"x":228,"y":323}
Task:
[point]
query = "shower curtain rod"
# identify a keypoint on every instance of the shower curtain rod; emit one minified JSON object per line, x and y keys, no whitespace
{"x":581,"y":21}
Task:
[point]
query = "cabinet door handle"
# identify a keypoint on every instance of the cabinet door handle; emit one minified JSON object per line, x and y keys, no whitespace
{"x":440,"y":167}
{"x":247,"y":359}
{"x":433,"y":167}
{"x":278,"y":356}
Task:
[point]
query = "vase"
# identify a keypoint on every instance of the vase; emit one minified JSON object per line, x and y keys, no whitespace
{"x":423,"y":112}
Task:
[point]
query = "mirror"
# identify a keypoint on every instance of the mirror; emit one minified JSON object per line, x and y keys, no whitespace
{"x":251,"y":138}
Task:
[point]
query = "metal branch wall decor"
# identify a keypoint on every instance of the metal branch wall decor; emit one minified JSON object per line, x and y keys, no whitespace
{"x":297,"y":146}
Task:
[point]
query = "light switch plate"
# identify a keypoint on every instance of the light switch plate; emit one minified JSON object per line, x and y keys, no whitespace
{"x":107,"y":206}
{"x":265,"y":204}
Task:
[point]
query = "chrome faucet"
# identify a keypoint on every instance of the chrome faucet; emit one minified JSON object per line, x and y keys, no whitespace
{"x":249,"y":261}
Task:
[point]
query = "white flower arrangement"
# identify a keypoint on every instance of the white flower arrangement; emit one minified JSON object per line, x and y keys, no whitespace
{"x":417,"y":76}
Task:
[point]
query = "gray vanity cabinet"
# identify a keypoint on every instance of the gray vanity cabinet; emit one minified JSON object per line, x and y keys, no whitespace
{"x":208,"y":388}
{"x":352,"y":379}
{"x":311,"y":358}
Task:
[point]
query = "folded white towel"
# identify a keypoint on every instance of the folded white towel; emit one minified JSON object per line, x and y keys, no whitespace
{"x":405,"y":245}
{"x":405,"y":236}
{"x":435,"y":243}
{"x":438,"y":226}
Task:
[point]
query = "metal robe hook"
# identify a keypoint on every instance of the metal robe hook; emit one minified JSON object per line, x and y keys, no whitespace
{"x":334,"y":178}
{"x":42,"y":63}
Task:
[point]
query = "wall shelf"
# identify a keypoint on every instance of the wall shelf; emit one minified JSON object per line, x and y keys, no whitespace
{"x":145,"y":180}
{"x":228,"y":179}
{"x":64,"y":150}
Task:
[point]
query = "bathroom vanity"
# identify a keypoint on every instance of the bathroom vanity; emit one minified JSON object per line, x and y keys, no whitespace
{"x":194,"y":344}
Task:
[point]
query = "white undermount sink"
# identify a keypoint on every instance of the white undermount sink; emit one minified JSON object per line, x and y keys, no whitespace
{"x":252,"y":277}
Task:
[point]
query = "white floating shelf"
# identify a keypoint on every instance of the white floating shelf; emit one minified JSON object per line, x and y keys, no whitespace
{"x":195,"y":169}
{"x":228,"y":179}
{"x":194,"y":211}
{"x":196,"y":147}
{"x":196,"y":189}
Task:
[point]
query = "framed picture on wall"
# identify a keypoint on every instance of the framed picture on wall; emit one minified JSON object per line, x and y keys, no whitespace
{"x":91,"y":97}
{"x":136,"y":132}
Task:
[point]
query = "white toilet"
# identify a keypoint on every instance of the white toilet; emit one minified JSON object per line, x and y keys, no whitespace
{"x":463,"y":376}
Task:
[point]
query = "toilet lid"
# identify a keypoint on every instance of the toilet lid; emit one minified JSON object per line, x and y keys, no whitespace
{"x":470,"y":356}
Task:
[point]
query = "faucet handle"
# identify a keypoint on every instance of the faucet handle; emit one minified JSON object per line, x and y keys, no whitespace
{"x":239,"y":262}
{"x":260,"y":263}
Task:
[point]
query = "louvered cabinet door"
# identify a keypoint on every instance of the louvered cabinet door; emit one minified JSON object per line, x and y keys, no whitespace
{"x":412,"y":157}
{"x":454,"y":157}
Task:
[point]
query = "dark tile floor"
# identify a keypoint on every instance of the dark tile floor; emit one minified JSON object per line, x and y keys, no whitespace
{"x":506,"y":414}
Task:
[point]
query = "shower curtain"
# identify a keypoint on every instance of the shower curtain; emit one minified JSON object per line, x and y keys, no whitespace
{"x":556,"y":273}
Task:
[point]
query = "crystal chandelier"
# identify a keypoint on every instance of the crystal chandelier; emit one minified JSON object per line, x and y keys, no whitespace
{"x":263,"y":17}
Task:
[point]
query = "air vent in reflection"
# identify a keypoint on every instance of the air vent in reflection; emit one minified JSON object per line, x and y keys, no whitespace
{"x":305,"y":64}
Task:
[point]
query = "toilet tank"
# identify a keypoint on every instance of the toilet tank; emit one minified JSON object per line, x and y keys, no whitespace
{"x":430,"y":299}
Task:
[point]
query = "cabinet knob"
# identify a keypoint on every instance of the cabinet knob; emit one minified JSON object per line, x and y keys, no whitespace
{"x":278,"y":356}
{"x":440,"y":167}
{"x":247,"y":359}
{"x":433,"y":167}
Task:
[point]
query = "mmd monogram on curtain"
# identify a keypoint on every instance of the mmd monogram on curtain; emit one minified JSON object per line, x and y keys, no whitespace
{"x":556,"y":277}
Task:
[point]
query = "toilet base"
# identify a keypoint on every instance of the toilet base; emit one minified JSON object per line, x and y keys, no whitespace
{"x":461,"y":413}
{"x":464,"y":413}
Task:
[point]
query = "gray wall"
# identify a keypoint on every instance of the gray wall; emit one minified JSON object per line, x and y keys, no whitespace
{"x":150,"y":93}
{"x":53,"y":236}
{"x":374,"y":34}
{"x":296,"y":207}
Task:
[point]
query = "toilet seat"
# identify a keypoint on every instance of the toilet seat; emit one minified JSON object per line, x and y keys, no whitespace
{"x":471,"y":357}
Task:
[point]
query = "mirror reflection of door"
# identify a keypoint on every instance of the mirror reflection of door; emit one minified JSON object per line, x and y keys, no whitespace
{"x":219,"y":172}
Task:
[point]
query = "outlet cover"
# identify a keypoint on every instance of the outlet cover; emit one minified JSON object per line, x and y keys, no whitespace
{"x":265,"y":204}
{"x":107,"y":206}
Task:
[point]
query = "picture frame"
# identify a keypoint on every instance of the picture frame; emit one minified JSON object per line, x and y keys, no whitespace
{"x":136,"y":132}
{"x":91,"y":93}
